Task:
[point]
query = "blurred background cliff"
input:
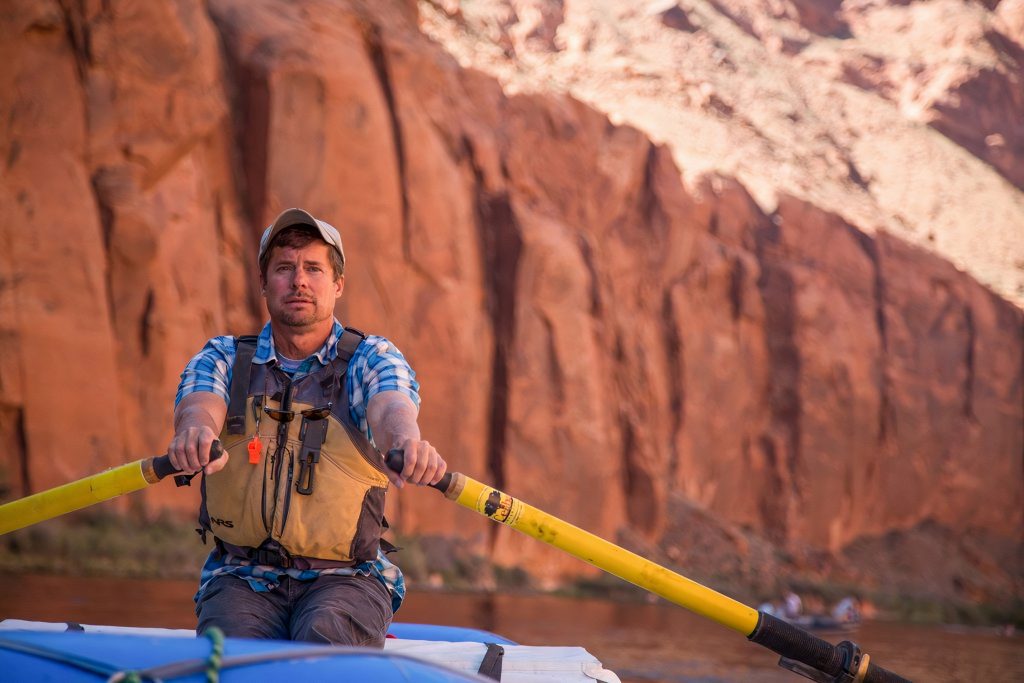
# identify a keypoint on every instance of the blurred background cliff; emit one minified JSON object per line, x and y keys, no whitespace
{"x":735,"y":283}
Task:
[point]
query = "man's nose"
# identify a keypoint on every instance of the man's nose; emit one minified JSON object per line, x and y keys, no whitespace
{"x":299,"y":279}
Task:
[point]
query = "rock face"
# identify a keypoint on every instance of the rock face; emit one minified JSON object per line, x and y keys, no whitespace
{"x":974,"y":100}
{"x":622,"y":349}
{"x":850,"y":106}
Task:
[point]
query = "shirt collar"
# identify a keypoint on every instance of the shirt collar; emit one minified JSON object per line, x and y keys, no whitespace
{"x":266,"y":352}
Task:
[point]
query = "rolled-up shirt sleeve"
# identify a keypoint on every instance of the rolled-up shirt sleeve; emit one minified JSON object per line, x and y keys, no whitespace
{"x":378,"y":366}
{"x":209,"y":370}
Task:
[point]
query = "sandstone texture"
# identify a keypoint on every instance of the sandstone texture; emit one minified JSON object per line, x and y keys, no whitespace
{"x":749,"y":341}
{"x":900,"y":116}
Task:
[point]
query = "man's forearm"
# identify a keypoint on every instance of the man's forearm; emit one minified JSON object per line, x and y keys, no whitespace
{"x":392,"y":418}
{"x":189,"y":416}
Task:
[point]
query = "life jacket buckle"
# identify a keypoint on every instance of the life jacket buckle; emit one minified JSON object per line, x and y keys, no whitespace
{"x":271,"y":558}
{"x":307,"y":472}
{"x":312,"y":441}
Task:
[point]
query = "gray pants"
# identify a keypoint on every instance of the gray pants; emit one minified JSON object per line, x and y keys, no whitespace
{"x":340,"y":610}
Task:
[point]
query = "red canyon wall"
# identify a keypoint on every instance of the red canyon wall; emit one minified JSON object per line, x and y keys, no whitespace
{"x":591,"y":333}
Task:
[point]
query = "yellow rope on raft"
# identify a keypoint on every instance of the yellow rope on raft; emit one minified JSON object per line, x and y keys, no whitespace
{"x":603,"y":554}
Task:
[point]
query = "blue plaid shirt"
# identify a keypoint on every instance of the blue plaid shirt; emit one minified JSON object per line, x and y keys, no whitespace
{"x":376,"y":366}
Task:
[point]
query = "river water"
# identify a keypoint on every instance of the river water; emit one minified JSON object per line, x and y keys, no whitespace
{"x":642,"y":643}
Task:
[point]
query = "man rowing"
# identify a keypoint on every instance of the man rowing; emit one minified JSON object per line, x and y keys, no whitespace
{"x":303,"y":410}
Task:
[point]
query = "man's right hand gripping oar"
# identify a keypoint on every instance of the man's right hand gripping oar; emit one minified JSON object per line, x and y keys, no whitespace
{"x":197,"y":422}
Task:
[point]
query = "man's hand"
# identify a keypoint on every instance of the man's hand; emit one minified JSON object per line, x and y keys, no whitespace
{"x":392,"y":419}
{"x":423,"y":464}
{"x":197,"y":421}
{"x":189,"y":451}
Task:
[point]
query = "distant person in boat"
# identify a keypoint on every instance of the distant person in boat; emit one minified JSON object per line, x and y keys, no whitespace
{"x":847,"y":610}
{"x":792,"y":605}
{"x":303,"y":410}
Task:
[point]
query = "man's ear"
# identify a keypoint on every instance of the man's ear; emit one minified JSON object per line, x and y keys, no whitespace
{"x":340,"y":284}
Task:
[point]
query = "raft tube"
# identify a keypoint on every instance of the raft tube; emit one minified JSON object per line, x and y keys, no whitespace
{"x":413,"y":652}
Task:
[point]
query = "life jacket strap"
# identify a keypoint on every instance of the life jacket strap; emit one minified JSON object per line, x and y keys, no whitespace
{"x":245,"y":350}
{"x":273,"y":555}
{"x":350,"y":340}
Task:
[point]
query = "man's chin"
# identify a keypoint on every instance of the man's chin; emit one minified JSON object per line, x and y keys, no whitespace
{"x":298,"y":321}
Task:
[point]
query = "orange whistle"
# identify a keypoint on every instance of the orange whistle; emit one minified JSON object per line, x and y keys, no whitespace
{"x":255,"y":449}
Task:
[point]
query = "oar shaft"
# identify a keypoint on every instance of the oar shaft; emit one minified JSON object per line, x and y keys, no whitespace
{"x":801,"y":652}
{"x":603,"y":554}
{"x":93,"y":489}
{"x":57,"y":501}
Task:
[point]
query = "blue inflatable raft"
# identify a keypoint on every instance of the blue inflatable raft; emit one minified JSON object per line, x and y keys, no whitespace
{"x":36,"y":651}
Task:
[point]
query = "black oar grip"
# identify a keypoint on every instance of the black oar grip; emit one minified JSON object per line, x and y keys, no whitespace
{"x":395,"y":460}
{"x":162,"y":466}
{"x":794,"y":643}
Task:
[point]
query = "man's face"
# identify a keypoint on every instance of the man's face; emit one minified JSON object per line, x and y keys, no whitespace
{"x":300,"y":288}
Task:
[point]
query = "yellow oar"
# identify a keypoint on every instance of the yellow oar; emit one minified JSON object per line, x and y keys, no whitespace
{"x":93,"y":489}
{"x":801,"y":652}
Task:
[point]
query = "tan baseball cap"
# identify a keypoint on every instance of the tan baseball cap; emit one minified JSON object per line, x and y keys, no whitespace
{"x":293,"y":217}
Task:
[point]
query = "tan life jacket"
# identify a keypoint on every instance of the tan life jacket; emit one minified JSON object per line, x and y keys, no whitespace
{"x":315,"y":487}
